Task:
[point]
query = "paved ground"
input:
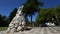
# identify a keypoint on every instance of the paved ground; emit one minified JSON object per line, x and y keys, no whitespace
{"x":38,"y":30}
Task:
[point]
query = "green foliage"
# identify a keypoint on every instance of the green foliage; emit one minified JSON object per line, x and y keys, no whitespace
{"x":3,"y":21}
{"x":30,"y":7}
{"x":41,"y":16}
{"x":46,"y":15}
{"x":58,"y":14}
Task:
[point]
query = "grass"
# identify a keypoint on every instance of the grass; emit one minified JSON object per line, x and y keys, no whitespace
{"x":3,"y":28}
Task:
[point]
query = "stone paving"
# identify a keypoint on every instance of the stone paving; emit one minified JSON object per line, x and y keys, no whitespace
{"x":38,"y":30}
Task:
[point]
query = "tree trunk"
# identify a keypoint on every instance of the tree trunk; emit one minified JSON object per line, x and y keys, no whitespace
{"x":31,"y":19}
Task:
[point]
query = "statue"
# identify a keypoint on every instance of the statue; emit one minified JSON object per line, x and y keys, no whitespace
{"x":18,"y":22}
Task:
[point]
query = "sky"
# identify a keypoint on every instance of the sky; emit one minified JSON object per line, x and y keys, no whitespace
{"x":6,"y":6}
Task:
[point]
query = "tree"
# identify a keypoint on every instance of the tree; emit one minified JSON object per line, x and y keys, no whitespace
{"x":41,"y":19}
{"x":12,"y":14}
{"x":46,"y":15}
{"x":30,"y":7}
{"x":57,"y":12}
{"x":3,"y":22}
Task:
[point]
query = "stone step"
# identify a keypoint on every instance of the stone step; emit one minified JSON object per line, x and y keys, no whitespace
{"x":36,"y":30}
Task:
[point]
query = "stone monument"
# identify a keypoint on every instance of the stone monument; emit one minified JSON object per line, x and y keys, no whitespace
{"x":18,"y":22}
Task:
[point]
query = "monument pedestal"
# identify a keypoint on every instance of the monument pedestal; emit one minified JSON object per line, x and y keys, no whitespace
{"x":18,"y":22}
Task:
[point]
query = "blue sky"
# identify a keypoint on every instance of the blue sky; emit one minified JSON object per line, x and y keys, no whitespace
{"x":6,"y":6}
